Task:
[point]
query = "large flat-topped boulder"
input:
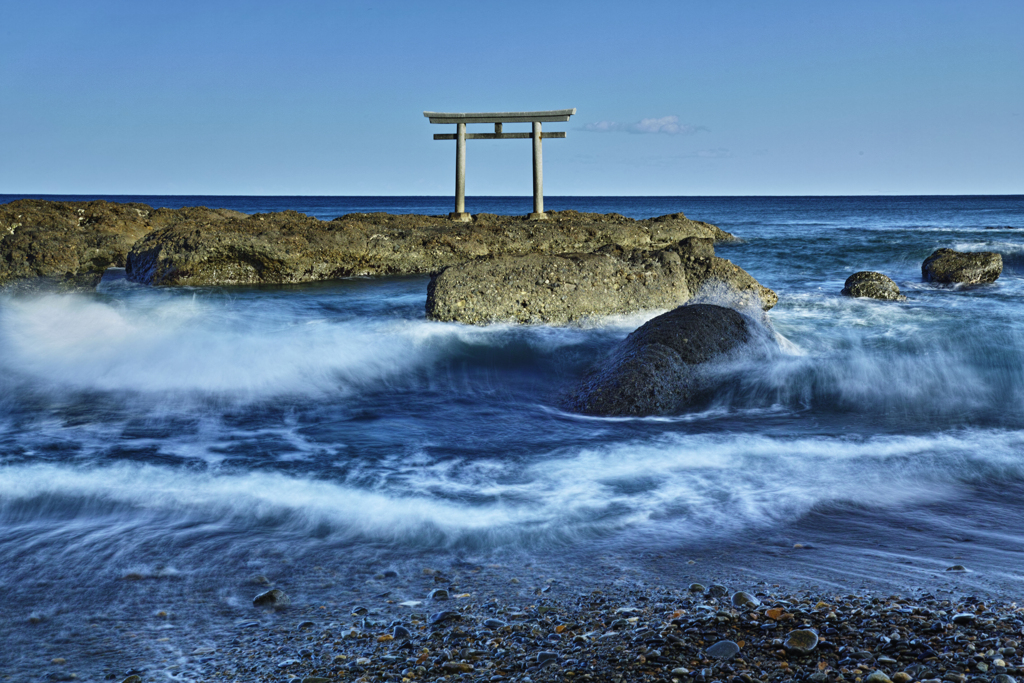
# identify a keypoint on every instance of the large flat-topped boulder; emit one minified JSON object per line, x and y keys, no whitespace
{"x":290,"y":247}
{"x":972,"y":267}
{"x":561,"y":288}
{"x":68,"y":245}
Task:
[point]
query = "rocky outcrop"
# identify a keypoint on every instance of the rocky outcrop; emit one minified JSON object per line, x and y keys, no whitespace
{"x":68,"y":245}
{"x":290,"y":247}
{"x":949,"y":266}
{"x":662,"y":367}
{"x":872,"y":285}
{"x":561,"y":288}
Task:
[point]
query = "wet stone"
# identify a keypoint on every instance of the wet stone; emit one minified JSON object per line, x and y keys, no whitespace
{"x":400,"y":633}
{"x":439,"y":594}
{"x":440,"y":617}
{"x":877,"y":677}
{"x":801,"y":641}
{"x":723,"y":649}
{"x":275,"y":598}
{"x":744,"y":599}
{"x":696,"y":588}
{"x":545,"y":657}
{"x":717,"y":590}
{"x":956,"y":568}
{"x":963,"y":618}
{"x":494,"y":623}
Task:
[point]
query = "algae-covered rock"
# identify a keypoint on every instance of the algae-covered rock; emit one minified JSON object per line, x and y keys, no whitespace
{"x":949,"y":266}
{"x":290,"y":247}
{"x":560,"y":288}
{"x":68,"y":245}
{"x":872,"y":285}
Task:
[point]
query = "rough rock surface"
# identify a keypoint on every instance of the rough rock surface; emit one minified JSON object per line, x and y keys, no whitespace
{"x":658,"y":369}
{"x":290,"y":247}
{"x":948,"y":266}
{"x":68,"y":245}
{"x":872,"y":285}
{"x":559,"y":288}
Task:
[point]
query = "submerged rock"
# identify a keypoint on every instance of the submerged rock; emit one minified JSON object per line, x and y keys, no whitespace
{"x":275,"y":598}
{"x":949,"y":266}
{"x":661,"y":366}
{"x":290,"y":247}
{"x":872,"y":285}
{"x":560,"y":288}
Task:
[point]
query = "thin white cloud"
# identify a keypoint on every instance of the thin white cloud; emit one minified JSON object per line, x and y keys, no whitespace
{"x":668,"y":125}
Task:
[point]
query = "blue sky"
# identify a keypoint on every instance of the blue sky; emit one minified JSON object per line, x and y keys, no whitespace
{"x":673,"y":98}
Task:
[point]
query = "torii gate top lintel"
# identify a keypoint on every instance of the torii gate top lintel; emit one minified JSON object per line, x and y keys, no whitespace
{"x":501,"y":117}
{"x":498,"y":118}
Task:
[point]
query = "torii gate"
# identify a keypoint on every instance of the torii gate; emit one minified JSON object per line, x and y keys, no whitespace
{"x":498,"y":118}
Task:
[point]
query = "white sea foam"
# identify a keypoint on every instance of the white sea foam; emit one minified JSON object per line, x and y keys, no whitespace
{"x":675,"y":486}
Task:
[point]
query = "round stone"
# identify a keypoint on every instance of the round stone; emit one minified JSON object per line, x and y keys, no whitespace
{"x":744,"y":599}
{"x":963,"y":618}
{"x":439,"y":594}
{"x":723,"y":649}
{"x":696,"y":588}
{"x":801,"y":641}
{"x":717,"y":590}
{"x":877,"y":677}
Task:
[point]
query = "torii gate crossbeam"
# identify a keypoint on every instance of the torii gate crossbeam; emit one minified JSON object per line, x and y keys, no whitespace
{"x":498,"y":118}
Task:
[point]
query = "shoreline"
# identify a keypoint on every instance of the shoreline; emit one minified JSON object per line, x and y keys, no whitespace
{"x":601,"y":618}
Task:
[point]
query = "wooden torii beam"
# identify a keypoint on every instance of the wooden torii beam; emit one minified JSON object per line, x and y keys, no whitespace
{"x":498,"y":118}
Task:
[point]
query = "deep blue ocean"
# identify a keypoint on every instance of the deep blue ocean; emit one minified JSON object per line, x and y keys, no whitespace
{"x":195,"y":437}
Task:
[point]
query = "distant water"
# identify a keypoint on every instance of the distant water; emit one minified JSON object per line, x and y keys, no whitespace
{"x":198,"y":436}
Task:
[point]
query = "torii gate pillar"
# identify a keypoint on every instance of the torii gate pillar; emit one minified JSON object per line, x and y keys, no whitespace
{"x":498,"y":118}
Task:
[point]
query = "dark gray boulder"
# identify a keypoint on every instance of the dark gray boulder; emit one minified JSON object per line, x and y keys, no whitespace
{"x":872,"y":285}
{"x":949,"y":266}
{"x":663,"y":365}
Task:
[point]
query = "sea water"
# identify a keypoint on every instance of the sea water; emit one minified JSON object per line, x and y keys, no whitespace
{"x":161,"y":446}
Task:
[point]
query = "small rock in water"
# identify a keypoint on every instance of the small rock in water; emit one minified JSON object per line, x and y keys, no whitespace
{"x":390,"y":573}
{"x":723,"y":649}
{"x":134,"y":678}
{"x":877,"y":677}
{"x":439,"y":594}
{"x":494,"y":623}
{"x":305,"y":624}
{"x":315,"y":679}
{"x":901,"y":677}
{"x":801,"y":641}
{"x":696,"y":588}
{"x":956,"y":568}
{"x":443,"y":616}
{"x":1003,"y":678}
{"x":744,"y":599}
{"x":259,"y":580}
{"x":872,"y":285}
{"x":680,"y":671}
{"x":400,"y":633}
{"x":272,"y":598}
{"x":359,"y":611}
{"x":461,"y":667}
{"x":717,"y":590}
{"x":963,"y":618}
